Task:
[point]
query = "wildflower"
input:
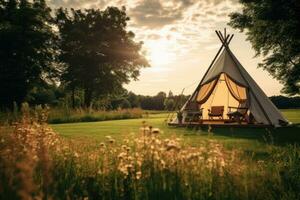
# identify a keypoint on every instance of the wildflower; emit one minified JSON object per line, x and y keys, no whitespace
{"x":157,"y":141}
{"x":35,"y":158}
{"x":138,"y":175}
{"x":155,"y":130}
{"x":145,"y":129}
{"x":108,"y":137}
{"x":139,"y":163}
{"x":129,"y":166}
{"x":222,"y":163}
{"x":111,"y":141}
{"x":163,"y":163}
{"x":102,"y":145}
{"x":122,"y":155}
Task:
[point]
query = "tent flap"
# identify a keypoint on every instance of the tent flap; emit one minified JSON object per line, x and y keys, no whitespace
{"x":205,"y":91}
{"x":237,"y":91}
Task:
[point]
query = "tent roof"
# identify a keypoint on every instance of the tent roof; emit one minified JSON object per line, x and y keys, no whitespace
{"x":224,"y":64}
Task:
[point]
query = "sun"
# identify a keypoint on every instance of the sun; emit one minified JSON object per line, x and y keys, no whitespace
{"x":159,"y":54}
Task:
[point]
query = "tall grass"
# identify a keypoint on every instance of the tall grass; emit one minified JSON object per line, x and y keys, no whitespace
{"x":35,"y":163}
{"x":65,"y":115}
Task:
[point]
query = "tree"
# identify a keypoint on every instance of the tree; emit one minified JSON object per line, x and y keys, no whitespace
{"x":100,"y":54}
{"x":27,"y":48}
{"x":44,"y":94}
{"x":125,"y":104}
{"x":169,"y":104}
{"x":273,"y":28}
{"x":133,"y":99}
{"x":170,"y":95}
{"x":158,"y":101}
{"x":284,"y":102}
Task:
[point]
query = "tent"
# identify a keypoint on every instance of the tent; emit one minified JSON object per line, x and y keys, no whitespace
{"x":228,"y":94}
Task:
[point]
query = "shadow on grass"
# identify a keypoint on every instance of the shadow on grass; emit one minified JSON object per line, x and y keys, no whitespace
{"x":276,"y":136}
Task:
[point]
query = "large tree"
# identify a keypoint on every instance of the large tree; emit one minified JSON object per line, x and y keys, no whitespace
{"x":100,"y":54}
{"x":27,"y":48}
{"x":273,"y":28}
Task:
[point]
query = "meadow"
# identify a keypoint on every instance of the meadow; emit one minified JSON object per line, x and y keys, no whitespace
{"x":124,"y":159}
{"x":231,"y":137}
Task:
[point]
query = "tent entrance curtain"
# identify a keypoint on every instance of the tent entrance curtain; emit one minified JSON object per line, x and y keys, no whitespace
{"x":206,"y":90}
{"x":238,"y":91}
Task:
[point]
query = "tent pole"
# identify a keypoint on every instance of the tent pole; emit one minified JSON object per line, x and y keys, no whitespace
{"x":261,"y":107}
{"x":220,"y":37}
{"x":230,"y":39}
{"x":170,"y":115}
{"x":225,"y":41}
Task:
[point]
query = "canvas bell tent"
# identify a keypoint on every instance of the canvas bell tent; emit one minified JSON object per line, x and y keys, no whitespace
{"x":227,"y":94}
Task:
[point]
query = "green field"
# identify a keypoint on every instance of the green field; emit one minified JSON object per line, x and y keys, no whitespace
{"x":248,"y":139}
{"x":181,"y":163}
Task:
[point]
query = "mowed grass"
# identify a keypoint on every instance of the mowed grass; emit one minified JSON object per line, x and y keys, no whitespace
{"x":254,"y":141}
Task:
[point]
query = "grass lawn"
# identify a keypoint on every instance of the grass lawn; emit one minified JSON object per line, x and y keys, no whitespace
{"x":248,"y":139}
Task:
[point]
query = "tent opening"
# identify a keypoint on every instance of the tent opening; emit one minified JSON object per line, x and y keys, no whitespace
{"x":221,"y":96}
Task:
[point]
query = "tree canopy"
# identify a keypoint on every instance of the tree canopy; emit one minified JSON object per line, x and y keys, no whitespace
{"x":27,"y":48}
{"x":99,"y":53}
{"x":273,"y":28}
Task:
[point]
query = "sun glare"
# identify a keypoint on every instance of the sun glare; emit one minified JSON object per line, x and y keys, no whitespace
{"x":159,"y":54}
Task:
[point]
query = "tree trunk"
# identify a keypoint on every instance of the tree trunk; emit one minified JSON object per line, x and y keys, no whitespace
{"x":87,"y":97}
{"x":73,"y":97}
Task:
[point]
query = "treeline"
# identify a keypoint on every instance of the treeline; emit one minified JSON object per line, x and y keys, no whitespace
{"x":46,"y":55}
{"x":284,"y":102}
{"x":58,"y":97}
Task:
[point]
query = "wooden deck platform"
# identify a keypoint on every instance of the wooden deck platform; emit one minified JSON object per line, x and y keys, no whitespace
{"x":218,"y":123}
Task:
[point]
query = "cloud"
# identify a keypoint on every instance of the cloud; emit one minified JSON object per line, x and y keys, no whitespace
{"x":153,"y":36}
{"x":156,"y":14}
{"x":212,"y":47}
{"x":182,"y":26}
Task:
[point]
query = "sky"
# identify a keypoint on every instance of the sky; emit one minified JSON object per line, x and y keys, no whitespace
{"x":180,"y":41}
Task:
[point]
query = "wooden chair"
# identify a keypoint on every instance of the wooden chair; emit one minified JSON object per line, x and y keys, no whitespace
{"x":216,"y":111}
{"x":237,"y":114}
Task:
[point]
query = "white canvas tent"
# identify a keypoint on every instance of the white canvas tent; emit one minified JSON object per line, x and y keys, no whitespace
{"x":226,"y":83}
